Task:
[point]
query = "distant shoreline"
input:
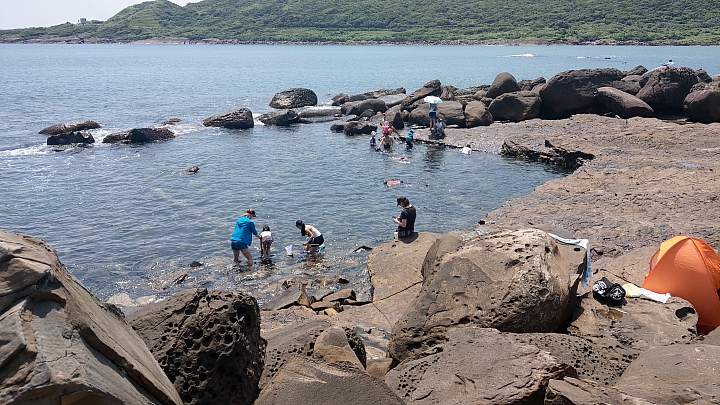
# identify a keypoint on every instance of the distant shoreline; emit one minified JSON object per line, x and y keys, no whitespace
{"x":75,"y":40}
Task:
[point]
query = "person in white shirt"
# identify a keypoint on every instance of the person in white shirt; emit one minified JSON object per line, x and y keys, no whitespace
{"x":669,"y":64}
{"x":266,"y":241}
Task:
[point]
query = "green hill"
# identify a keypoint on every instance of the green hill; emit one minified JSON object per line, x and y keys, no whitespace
{"x":608,"y":21}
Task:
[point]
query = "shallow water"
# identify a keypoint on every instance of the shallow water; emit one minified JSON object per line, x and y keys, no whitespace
{"x":123,"y":216}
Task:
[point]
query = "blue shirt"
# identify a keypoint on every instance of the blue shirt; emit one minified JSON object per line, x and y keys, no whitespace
{"x":244,"y":230}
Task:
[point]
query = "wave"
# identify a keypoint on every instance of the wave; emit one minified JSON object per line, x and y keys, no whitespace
{"x":519,"y":55}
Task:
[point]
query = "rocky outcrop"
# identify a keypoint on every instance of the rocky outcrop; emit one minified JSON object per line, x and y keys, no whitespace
{"x":674,"y":375}
{"x":207,"y":342}
{"x":573,"y":91}
{"x":629,"y":84}
{"x":703,"y":104}
{"x":70,"y":126}
{"x":384,"y":92}
{"x":70,"y":138}
{"x":283,"y":118}
{"x":477,"y":366}
{"x":503,"y":83}
{"x":665,"y":88}
{"x":236,"y":118}
{"x":623,"y":104}
{"x":514,"y":281}
{"x":532,"y":85}
{"x":358,"y":107}
{"x":308,"y":381}
{"x":585,"y":392}
{"x":139,"y":135}
{"x":359,"y":128}
{"x":476,"y":114}
{"x":293,"y":98}
{"x":60,"y":344}
{"x":431,"y":88}
{"x":518,"y":106}
{"x":450,"y":111}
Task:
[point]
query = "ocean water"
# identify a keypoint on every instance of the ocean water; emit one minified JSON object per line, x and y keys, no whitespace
{"x":122,"y":217}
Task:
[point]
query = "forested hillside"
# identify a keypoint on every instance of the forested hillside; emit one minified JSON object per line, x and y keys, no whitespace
{"x":607,"y":21}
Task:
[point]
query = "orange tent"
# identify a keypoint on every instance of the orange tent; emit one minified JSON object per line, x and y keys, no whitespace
{"x":688,"y":268}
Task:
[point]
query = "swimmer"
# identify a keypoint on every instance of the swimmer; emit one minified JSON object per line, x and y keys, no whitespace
{"x":393,"y":182}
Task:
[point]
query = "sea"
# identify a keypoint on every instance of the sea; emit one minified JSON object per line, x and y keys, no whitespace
{"x":128,"y":221}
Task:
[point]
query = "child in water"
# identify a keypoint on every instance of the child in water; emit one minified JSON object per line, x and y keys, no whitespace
{"x":266,"y":241}
{"x":373,"y":142}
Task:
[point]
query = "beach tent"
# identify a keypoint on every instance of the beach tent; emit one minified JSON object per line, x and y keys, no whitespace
{"x":688,"y":268}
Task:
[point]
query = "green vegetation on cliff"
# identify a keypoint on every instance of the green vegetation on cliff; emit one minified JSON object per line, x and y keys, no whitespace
{"x":608,"y":21}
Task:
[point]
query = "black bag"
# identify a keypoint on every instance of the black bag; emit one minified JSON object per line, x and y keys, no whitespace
{"x":607,"y":292}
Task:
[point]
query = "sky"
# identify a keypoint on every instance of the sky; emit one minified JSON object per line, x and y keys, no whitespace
{"x":44,"y":13}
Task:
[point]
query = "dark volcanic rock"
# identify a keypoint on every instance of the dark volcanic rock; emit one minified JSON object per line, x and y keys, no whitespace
{"x":293,"y":98}
{"x":503,"y":83}
{"x":283,"y":118}
{"x":70,"y":126}
{"x":71,"y":138}
{"x":236,"y":118}
{"x":518,"y":106}
{"x":623,"y":104}
{"x":665,"y":88}
{"x":208,"y":343}
{"x":573,"y":91}
{"x":139,"y":135}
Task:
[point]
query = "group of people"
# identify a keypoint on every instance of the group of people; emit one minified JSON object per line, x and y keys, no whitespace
{"x":386,"y":141}
{"x":241,"y":238}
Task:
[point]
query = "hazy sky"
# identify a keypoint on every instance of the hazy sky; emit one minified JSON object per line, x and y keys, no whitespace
{"x":44,"y":13}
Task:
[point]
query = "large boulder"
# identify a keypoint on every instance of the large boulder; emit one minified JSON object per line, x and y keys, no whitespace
{"x":343,"y":98}
{"x":629,"y":84}
{"x":359,"y":128}
{"x":503,"y":83}
{"x":532,"y":85}
{"x":139,"y":135}
{"x":516,"y":107}
{"x":477,"y":366}
{"x":358,"y":107}
{"x":514,"y":281}
{"x":60,"y":344}
{"x":703,"y":105}
{"x":665,"y":88}
{"x":79,"y":137}
{"x":675,"y":375}
{"x":70,"y":126}
{"x":450,"y":111}
{"x":293,"y":98}
{"x":431,"y":88}
{"x":477,"y":114}
{"x":207,"y":342}
{"x":305,"y":380}
{"x":235,"y":118}
{"x":283,"y":118}
{"x":623,"y":104}
{"x":573,"y":91}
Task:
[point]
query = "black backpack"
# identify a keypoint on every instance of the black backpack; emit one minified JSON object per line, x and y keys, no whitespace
{"x":607,"y":292}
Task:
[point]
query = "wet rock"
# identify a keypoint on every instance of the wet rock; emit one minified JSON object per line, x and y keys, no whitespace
{"x":192,"y":170}
{"x":171,"y":121}
{"x":664,"y":88}
{"x":674,"y":375}
{"x":70,"y":126}
{"x":518,"y":106}
{"x":359,"y":128}
{"x":504,"y":83}
{"x":280,"y":118}
{"x":294,"y":295}
{"x":477,"y":365}
{"x":168,"y":280}
{"x":477,"y":114}
{"x":70,"y":138}
{"x":573,"y":91}
{"x":293,"y":98}
{"x":236,"y":118}
{"x":61,"y":344}
{"x":623,"y":104}
{"x":514,"y":281}
{"x":208,"y":343}
{"x":303,"y":378}
{"x":139,"y":135}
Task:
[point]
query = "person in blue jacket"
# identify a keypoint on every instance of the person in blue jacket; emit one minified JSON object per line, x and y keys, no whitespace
{"x":242,"y":237}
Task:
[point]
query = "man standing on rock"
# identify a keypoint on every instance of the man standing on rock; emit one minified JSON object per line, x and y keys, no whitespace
{"x":406,"y":220}
{"x":242,"y":237}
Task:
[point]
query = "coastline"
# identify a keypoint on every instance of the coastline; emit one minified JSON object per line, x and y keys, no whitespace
{"x":648,"y":181}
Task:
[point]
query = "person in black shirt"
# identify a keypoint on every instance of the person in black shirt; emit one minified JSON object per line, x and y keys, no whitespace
{"x":406,"y":220}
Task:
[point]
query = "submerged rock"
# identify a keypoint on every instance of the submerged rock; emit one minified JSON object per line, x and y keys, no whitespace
{"x":79,"y":137}
{"x":139,"y":135}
